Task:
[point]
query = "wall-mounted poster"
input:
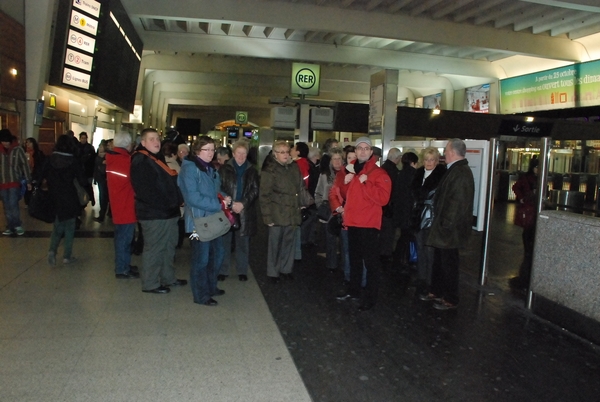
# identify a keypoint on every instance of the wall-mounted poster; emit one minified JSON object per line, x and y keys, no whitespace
{"x":432,"y":101}
{"x":477,"y":99}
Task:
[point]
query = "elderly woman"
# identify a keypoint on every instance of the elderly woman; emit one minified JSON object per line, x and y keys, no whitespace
{"x":200,"y":183}
{"x":424,"y":185}
{"x":336,"y":163}
{"x":60,"y":172}
{"x":239,"y":180}
{"x":280,"y":204}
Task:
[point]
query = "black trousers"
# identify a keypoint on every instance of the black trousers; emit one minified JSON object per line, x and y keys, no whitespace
{"x":363,"y":244}
{"x":444,"y":278}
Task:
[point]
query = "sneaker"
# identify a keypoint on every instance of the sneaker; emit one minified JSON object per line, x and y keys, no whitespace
{"x":20,"y":231}
{"x":347,"y":296}
{"x":7,"y":232}
{"x":69,"y":260}
{"x":429,"y":297}
{"x":51,"y":258}
{"x":444,"y":305}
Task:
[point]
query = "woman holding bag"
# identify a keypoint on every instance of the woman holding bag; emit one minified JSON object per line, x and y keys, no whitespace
{"x":200,"y":183}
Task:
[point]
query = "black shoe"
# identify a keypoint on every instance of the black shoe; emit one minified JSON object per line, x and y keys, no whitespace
{"x":211,"y":302}
{"x":220,"y":292}
{"x":365,"y":306}
{"x":158,"y":290}
{"x":178,"y":282}
{"x":221,"y":277}
{"x":274,"y":279}
{"x":347,"y":296}
{"x":288,"y":277}
{"x":134,"y":269}
{"x":129,"y":275}
{"x":243,"y":278}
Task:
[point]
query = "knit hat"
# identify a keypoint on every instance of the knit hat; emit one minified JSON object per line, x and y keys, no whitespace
{"x":366,"y":140}
{"x":5,"y":135}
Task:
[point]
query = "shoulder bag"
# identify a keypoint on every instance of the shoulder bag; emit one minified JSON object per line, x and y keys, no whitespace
{"x":212,"y":226}
{"x":41,"y":206}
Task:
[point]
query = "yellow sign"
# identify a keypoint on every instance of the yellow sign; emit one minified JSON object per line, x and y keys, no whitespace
{"x":52,"y":102}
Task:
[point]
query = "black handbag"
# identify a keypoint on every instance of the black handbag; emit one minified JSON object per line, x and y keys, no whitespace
{"x":324,"y":211}
{"x":334,"y":225}
{"x":41,"y":206}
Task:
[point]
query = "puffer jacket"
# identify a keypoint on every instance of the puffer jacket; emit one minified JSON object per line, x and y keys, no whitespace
{"x":250,"y":186}
{"x":363,"y":201}
{"x":280,"y":194}
{"x":453,"y":208}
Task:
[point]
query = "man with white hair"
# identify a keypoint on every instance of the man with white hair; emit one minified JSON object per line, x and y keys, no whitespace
{"x":122,"y":199}
{"x":451,"y":226}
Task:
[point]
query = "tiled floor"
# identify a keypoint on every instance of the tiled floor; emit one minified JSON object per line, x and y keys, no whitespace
{"x":75,"y":333}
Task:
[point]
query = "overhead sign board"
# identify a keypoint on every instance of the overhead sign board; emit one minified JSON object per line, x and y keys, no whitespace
{"x":76,"y":78}
{"x":306,"y":79}
{"x":241,"y":117}
{"x":78,"y":60}
{"x":566,"y":87}
{"x":89,"y":6}
{"x":512,"y":128}
{"x":81,"y":41}
{"x":83,"y":22}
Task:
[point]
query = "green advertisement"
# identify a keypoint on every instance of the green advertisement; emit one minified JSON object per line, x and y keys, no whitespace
{"x":561,"y":88}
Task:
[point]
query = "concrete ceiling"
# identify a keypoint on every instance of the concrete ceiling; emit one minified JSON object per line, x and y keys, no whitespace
{"x":238,"y":53}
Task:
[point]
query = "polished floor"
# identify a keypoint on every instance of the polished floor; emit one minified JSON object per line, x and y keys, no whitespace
{"x":75,"y":333}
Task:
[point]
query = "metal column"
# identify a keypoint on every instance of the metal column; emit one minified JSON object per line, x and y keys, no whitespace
{"x":541,"y":197}
{"x":489,"y":205}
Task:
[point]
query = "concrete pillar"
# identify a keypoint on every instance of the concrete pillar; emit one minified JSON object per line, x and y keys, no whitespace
{"x":38,"y":26}
{"x":304,"y":123}
{"x":383,"y":108}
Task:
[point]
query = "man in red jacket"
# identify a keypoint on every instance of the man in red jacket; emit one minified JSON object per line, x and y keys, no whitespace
{"x":366,"y":188}
{"x":122,"y":201}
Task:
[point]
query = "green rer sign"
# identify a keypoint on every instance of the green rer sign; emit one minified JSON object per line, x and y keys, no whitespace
{"x":241,"y":117}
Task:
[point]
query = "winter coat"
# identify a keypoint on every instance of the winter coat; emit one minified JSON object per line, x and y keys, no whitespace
{"x":120,"y":191}
{"x":157,"y":195}
{"x":13,"y":166}
{"x":392,"y":170}
{"x":524,"y":189}
{"x":363,"y":201}
{"x":200,"y":186}
{"x":60,"y":172}
{"x":453,"y":208}
{"x":402,"y":197}
{"x":423,"y":193}
{"x":324,"y":186}
{"x":250,"y":185}
{"x":280,"y":194}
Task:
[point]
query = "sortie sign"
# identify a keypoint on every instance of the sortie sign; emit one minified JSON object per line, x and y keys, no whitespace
{"x":306,"y":79}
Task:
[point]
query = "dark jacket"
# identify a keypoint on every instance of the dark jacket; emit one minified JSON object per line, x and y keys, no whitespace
{"x":280,"y":194}
{"x":402,"y":199}
{"x":453,"y":208}
{"x":60,"y":172}
{"x":157,"y":195}
{"x":392,"y":170}
{"x":250,"y":185}
{"x":423,"y":193}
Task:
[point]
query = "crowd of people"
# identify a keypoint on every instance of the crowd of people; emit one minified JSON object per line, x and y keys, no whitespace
{"x":167,"y":191}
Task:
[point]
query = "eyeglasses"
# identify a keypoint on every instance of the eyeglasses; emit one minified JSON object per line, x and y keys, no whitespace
{"x":282,"y":152}
{"x":207,"y":149}
{"x":363,"y":148}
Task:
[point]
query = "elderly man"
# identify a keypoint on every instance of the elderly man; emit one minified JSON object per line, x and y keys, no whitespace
{"x":388,"y":230}
{"x":157,"y":202}
{"x":13,"y":168}
{"x":122,"y":199}
{"x":451,"y":226}
{"x":366,"y":188}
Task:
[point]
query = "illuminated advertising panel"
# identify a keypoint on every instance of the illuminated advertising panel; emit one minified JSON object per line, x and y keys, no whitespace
{"x":477,"y":99}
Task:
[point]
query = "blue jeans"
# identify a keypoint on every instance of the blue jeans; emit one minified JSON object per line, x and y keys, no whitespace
{"x":123,"y":238}
{"x":207,"y":258}
{"x":60,"y":229}
{"x":10,"y":199}
{"x":346,"y":259}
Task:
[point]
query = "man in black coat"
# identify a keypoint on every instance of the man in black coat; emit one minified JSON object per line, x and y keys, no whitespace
{"x":157,"y":202}
{"x":388,"y":230}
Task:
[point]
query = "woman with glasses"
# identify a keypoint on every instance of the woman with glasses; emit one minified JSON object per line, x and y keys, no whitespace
{"x":280,"y":186}
{"x":200,"y":185}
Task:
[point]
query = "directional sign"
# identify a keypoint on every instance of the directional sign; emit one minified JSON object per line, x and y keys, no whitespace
{"x":241,"y":117}
{"x":306,"y":79}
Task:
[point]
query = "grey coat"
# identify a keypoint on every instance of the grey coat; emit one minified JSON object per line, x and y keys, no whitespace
{"x":453,"y":208}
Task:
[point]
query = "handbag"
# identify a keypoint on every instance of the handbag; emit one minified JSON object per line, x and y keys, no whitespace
{"x":234,"y":219}
{"x":41,"y":206}
{"x":210,"y":227}
{"x":324,"y":211}
{"x":82,"y":194}
{"x":413,"y":257}
{"x":335,"y":224}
